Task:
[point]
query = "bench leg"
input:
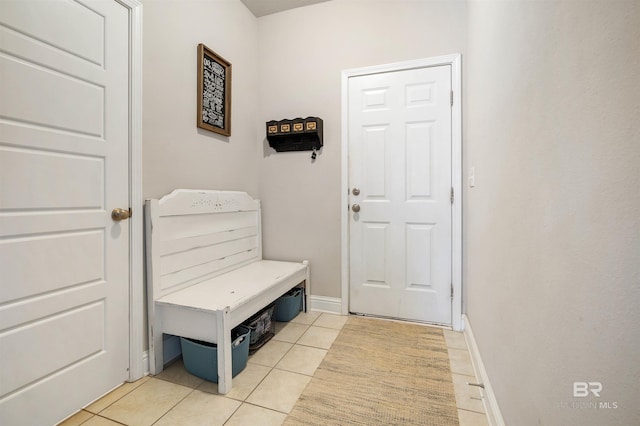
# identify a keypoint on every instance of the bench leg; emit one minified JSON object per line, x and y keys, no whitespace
{"x":307,"y":287}
{"x":224,"y":350}
{"x":156,"y":355}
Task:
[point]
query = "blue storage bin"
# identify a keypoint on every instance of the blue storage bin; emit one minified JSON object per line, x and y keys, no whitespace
{"x":288,"y":305}
{"x":201,"y":358}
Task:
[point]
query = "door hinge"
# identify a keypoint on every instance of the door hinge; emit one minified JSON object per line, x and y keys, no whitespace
{"x":451,"y":98}
{"x":451,"y":291}
{"x":452,"y":197}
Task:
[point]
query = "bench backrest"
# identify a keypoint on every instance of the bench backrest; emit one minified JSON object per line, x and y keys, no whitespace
{"x":194,"y":235}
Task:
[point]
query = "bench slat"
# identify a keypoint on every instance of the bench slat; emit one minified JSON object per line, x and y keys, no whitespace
{"x":186,"y":277}
{"x":184,"y":244}
{"x":173,"y":228}
{"x":201,"y":255}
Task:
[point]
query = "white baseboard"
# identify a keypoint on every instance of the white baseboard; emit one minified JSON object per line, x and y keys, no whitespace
{"x":494,"y":416}
{"x":171,"y":348}
{"x":325,"y":304}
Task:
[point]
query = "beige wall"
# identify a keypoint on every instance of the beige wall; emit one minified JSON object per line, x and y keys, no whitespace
{"x":552,"y":231}
{"x":176,"y":154}
{"x":301,"y":56}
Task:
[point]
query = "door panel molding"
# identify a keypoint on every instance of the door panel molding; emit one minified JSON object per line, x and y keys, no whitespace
{"x":454,"y":61}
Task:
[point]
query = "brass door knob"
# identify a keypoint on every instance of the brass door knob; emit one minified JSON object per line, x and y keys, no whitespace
{"x":355,"y":208}
{"x":120,"y":214}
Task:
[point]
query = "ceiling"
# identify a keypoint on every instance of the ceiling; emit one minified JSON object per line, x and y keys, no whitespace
{"x":265,"y":7}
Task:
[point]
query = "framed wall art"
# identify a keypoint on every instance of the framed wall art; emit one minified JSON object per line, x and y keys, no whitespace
{"x":214,"y":92}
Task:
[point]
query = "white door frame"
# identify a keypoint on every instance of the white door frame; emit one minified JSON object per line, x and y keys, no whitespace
{"x":136,"y":225}
{"x":454,"y":61}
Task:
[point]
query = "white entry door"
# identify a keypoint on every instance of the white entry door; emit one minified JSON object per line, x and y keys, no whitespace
{"x":64,"y":262}
{"x":400,"y":194}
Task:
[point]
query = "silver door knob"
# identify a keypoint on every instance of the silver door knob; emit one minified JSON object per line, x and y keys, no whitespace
{"x":356,"y":191}
{"x":355,"y":208}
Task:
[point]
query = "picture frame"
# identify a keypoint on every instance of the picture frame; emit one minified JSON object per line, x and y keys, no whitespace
{"x":214,"y":92}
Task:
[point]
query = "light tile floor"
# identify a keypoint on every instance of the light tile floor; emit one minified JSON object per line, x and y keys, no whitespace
{"x":264,"y":392}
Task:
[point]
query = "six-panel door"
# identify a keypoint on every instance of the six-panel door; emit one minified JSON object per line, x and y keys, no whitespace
{"x":400,"y":162}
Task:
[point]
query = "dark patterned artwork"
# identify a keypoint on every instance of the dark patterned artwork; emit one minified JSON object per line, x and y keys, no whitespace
{"x":214,"y":92}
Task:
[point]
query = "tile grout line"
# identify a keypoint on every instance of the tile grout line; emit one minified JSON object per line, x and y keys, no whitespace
{"x":271,"y":368}
{"x":466,"y":349}
{"x":274,"y":367}
{"x":234,"y":411}
{"x":90,"y":417}
{"x":265,"y":408}
{"x":470,"y":397}
{"x":100,"y":411}
{"x":314,"y":372}
{"x":176,"y":404}
{"x":262,"y":380}
{"x":471,"y":411}
{"x":106,"y":418}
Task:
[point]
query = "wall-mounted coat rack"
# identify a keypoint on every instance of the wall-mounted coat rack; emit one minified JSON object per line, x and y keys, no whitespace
{"x":299,"y":134}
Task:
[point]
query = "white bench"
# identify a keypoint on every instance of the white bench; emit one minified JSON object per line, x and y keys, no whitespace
{"x":205,"y":273}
